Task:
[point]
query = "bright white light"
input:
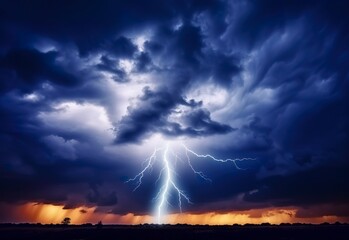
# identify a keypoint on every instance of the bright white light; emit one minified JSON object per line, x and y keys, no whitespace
{"x":45,"y":46}
{"x":32,"y":97}
{"x":83,"y":118}
{"x":126,"y":65}
{"x":213,"y":96}
{"x":166,"y":158}
{"x":139,"y":42}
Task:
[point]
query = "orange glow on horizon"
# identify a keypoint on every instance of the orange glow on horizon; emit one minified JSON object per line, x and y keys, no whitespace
{"x":48,"y":213}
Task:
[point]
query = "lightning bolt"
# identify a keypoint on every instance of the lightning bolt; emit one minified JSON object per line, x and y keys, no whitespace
{"x":168,"y":173}
{"x":165,"y":189}
{"x":149,"y":164}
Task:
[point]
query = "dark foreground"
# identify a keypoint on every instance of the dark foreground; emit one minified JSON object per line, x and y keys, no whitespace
{"x":182,"y":232}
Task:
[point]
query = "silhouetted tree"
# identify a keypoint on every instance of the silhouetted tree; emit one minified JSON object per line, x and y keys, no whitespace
{"x":66,"y":221}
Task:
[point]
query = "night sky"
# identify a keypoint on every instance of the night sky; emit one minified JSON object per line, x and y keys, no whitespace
{"x":88,"y":90}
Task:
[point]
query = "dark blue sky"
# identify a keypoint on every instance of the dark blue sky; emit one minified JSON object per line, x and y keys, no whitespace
{"x":89,"y":88}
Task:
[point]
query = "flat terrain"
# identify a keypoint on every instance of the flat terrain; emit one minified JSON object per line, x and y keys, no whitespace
{"x":182,"y":232}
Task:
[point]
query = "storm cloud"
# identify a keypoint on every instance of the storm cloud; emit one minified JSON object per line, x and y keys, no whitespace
{"x":86,"y":88}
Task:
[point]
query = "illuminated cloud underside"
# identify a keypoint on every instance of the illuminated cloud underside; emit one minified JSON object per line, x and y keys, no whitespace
{"x":46,"y":213}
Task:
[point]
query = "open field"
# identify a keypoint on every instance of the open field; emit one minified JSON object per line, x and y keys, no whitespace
{"x":182,"y":232}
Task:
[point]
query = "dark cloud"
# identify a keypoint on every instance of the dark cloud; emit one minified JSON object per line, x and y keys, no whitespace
{"x":263,"y":79}
{"x":188,"y":44}
{"x":121,"y":47}
{"x":83,"y":211}
{"x":153,"y":47}
{"x":91,"y":25}
{"x":151,"y":115}
{"x":202,"y":124}
{"x":316,"y":186}
{"x":144,"y":62}
{"x":29,"y":67}
{"x":100,"y":199}
{"x":224,"y":68}
{"x":110,"y":65}
{"x":141,"y":120}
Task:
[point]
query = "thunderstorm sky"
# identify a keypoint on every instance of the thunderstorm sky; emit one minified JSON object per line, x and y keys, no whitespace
{"x":90,"y":89}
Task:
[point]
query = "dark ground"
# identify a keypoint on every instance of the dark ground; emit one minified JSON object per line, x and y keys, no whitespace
{"x":182,"y":232}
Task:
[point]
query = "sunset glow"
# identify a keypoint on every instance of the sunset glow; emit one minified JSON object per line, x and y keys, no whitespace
{"x":47,"y":213}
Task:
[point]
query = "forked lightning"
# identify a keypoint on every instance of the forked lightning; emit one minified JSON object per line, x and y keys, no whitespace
{"x":168,"y":173}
